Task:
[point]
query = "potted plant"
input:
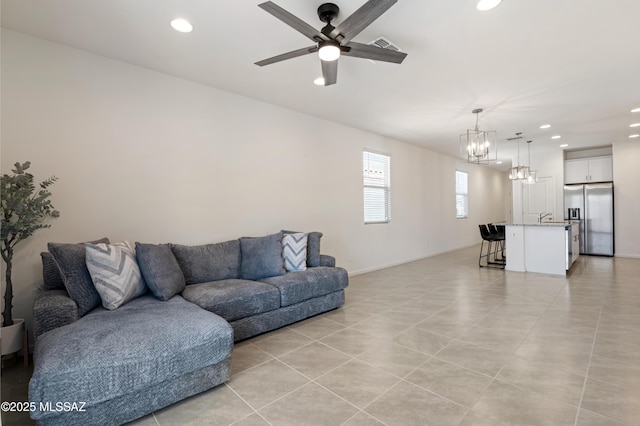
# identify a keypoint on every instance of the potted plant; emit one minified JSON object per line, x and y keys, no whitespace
{"x":24,"y":209}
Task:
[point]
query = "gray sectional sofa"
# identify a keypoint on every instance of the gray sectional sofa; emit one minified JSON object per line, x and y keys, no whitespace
{"x":109,"y":366}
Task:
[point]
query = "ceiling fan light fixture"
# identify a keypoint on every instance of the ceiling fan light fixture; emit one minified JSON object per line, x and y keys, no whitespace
{"x":484,"y":5}
{"x":329,"y":51}
{"x":331,"y":42}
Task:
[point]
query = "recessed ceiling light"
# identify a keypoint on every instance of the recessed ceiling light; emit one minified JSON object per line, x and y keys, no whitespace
{"x":634,"y":125}
{"x":564,"y":145}
{"x":181,"y":25}
{"x":487,"y":4}
{"x":498,"y":162}
{"x":556,"y":137}
{"x":319,"y":81}
{"x":545,"y":126}
{"x":635,"y":110}
{"x":634,"y":136}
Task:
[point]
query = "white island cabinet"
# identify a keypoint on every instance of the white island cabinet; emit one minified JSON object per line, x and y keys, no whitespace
{"x":547,"y":248}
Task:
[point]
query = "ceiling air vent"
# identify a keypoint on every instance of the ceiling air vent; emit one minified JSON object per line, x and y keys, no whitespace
{"x":385,"y":44}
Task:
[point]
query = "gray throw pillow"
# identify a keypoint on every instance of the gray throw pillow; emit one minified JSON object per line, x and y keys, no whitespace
{"x":70,"y":259}
{"x":160,"y":270}
{"x":210,"y":262}
{"x":313,"y":247}
{"x":262,"y":257}
{"x":51,"y":278}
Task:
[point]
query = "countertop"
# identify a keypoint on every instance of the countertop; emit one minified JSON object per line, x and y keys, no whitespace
{"x":563,"y":224}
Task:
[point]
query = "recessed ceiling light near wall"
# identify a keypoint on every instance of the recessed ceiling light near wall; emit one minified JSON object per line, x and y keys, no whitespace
{"x":487,"y":4}
{"x":634,"y":136}
{"x":556,"y":137}
{"x":634,"y":125}
{"x":635,"y":110}
{"x":564,"y":145}
{"x":181,"y":25}
{"x":545,"y":126}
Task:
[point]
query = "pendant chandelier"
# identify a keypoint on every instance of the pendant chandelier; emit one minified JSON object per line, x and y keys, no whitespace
{"x":479,"y":146}
{"x":533,"y":175}
{"x":518,"y":172}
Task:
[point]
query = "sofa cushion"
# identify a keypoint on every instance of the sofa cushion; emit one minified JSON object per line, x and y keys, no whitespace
{"x":160,"y":270}
{"x":297,"y":287}
{"x":115,"y":273}
{"x":107,"y":354}
{"x":210,"y":262}
{"x":70,"y":259}
{"x":294,"y":251}
{"x":262,"y":257}
{"x":234,"y":299}
{"x":313,"y":247}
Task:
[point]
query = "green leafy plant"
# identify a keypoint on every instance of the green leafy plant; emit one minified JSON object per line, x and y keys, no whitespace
{"x":24,"y":210}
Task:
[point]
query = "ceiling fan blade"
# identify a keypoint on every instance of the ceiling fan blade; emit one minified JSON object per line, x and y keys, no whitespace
{"x":288,"y":55}
{"x":293,"y":21}
{"x":360,"y":19}
{"x":330,"y":72}
{"x":374,"y":53}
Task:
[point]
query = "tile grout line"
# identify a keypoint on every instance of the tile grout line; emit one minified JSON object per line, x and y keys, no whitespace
{"x":248,"y":405}
{"x":586,"y":376}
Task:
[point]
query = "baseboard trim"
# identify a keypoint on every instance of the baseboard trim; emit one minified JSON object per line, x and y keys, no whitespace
{"x":627,"y":255}
{"x":402,"y":262}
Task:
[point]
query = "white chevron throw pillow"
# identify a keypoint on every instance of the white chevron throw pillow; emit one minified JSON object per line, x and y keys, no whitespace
{"x":115,"y":272}
{"x":294,"y":251}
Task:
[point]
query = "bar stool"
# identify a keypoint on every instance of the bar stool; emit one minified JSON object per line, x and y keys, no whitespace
{"x":499,"y":232}
{"x":492,"y":249}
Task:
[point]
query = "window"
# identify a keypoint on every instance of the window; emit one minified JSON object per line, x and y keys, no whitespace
{"x":377,"y":186}
{"x":462,"y":194}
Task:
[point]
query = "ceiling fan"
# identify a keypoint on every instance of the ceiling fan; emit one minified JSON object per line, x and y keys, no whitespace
{"x":331,"y":42}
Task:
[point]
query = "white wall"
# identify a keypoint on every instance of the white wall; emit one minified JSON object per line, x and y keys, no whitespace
{"x":148,"y":157}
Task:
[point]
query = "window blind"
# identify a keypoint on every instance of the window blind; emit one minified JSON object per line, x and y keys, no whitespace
{"x":376,"y":171}
{"x":462,"y":194}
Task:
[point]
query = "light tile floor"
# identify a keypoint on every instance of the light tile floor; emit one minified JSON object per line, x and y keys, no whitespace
{"x":443,"y":342}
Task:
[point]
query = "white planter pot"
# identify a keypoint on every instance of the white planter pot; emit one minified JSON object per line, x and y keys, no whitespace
{"x":12,"y":337}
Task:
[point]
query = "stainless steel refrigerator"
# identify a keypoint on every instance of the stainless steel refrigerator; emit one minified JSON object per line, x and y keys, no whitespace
{"x":592,"y":205}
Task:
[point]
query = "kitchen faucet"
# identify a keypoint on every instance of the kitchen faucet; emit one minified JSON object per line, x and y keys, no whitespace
{"x":542,"y":216}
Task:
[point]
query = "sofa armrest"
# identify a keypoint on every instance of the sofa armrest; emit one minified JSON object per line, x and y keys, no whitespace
{"x":53,"y":309}
{"x":326,"y":260}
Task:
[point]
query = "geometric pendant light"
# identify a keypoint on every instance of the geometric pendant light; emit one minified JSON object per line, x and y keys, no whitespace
{"x":518,"y":172}
{"x":533,"y":175}
{"x":479,"y":146}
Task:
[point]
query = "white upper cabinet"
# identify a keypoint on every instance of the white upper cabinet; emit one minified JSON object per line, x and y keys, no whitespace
{"x":597,"y":169}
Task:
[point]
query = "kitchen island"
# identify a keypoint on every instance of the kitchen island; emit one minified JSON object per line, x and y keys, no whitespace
{"x":547,"y":248}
